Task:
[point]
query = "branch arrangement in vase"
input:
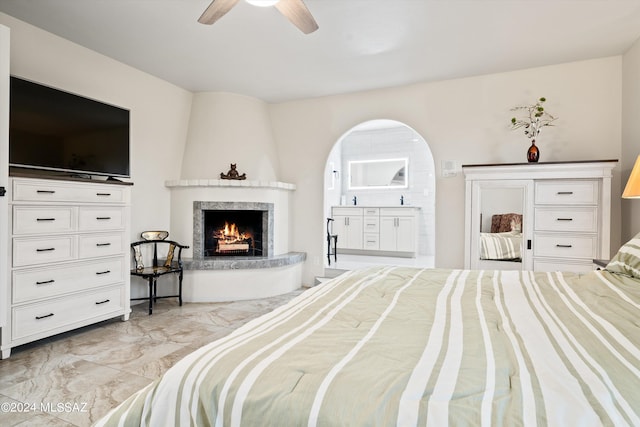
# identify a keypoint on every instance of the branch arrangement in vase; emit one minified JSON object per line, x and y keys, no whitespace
{"x":535,"y":119}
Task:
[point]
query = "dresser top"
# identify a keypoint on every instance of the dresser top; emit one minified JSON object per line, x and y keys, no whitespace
{"x":587,"y":169}
{"x":540,"y":163}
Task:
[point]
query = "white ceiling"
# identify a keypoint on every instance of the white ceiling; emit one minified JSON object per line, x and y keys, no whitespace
{"x":361,"y":44}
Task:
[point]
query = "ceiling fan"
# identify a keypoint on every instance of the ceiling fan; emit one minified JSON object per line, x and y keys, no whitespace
{"x":294,"y":10}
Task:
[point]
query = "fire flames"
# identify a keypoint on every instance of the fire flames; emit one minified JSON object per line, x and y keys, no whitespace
{"x":231,"y":234}
{"x":231,"y":239}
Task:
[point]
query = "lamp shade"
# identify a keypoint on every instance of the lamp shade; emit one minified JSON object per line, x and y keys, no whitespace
{"x":632,"y":189}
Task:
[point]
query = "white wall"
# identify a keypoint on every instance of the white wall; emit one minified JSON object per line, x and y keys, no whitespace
{"x":159,"y":110}
{"x":465,"y":120}
{"x":630,"y":135}
{"x":227,"y":128}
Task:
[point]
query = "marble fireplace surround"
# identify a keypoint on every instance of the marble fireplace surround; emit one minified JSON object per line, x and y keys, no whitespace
{"x":225,"y":278}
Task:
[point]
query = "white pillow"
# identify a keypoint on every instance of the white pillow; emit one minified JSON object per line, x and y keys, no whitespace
{"x":627,"y":260}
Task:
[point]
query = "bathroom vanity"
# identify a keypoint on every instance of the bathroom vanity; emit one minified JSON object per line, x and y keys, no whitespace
{"x":383,"y":230}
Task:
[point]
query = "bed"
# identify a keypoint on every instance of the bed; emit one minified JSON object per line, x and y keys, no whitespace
{"x":404,"y":346}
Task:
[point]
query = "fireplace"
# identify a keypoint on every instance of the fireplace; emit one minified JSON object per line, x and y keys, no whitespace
{"x":233,"y":232}
{"x":232,"y":229}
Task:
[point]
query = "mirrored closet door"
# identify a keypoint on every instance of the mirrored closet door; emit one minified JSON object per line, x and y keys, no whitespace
{"x":499,"y":227}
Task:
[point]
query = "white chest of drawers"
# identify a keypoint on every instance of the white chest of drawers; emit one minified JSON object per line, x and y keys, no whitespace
{"x":69,"y":257}
{"x":565,"y":208}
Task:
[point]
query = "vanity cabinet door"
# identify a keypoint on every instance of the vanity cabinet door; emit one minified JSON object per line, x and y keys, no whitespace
{"x":387,"y":233}
{"x":406,"y":234}
{"x":349,"y":231}
{"x":397,"y":233}
{"x":354,"y":232}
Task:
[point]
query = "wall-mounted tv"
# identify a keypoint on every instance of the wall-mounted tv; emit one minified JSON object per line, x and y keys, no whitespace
{"x":53,"y":130}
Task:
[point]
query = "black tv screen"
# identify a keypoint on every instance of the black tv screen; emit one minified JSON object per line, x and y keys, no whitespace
{"x":54,"y":130}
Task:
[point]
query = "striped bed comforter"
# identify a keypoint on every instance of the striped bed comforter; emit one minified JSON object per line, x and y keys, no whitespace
{"x":403,"y":346}
{"x":501,"y":246}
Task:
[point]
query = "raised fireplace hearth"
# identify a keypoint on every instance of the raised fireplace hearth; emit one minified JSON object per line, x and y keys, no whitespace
{"x":232,"y":229}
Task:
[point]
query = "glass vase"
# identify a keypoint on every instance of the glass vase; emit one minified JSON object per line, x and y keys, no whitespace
{"x":533,"y":153}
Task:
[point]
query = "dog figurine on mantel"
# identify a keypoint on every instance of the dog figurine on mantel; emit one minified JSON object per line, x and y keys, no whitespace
{"x":233,"y":173}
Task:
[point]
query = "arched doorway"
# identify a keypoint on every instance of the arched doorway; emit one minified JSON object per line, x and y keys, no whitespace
{"x":379,"y":142}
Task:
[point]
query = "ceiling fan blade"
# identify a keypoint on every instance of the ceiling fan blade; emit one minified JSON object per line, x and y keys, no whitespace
{"x":296,"y":12}
{"x":216,"y":10}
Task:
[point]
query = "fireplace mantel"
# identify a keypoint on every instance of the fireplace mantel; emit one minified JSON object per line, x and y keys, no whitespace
{"x":181,"y":183}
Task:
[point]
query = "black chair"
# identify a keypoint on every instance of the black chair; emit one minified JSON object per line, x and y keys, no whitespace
{"x":332,"y":243}
{"x":171,"y":264}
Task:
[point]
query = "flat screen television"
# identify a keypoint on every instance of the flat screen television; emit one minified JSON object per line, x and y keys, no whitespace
{"x":53,"y":130}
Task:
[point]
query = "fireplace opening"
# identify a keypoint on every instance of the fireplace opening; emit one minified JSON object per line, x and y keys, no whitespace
{"x":234,"y":233}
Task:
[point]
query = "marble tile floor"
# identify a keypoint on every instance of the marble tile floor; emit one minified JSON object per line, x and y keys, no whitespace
{"x":74,"y":378}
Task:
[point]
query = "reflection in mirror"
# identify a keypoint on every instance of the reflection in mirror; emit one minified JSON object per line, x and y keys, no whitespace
{"x":383,"y":173}
{"x":501,"y":224}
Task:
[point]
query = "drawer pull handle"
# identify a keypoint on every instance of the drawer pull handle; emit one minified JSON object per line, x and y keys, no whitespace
{"x":564,"y":219}
{"x":46,"y":282}
{"x":45,"y":250}
{"x":102,"y":302}
{"x":101,"y":218}
{"x":103,"y":194}
{"x":564,"y":246}
{"x":103,"y":244}
{"x":103,"y":272}
{"x":44,"y":317}
{"x":45,"y":191}
{"x":45,"y":219}
{"x":565,"y":193}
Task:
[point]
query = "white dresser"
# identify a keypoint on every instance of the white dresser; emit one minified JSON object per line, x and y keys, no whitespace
{"x":69,"y":257}
{"x":383,"y":229}
{"x":565,"y":208}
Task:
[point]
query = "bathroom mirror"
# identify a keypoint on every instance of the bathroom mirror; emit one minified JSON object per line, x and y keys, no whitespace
{"x":378,"y":174}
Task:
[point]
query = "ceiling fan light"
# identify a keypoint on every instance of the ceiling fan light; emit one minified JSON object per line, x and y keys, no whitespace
{"x":262,"y":3}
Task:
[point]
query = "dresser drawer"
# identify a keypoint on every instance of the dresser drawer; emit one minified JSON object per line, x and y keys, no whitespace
{"x":371,"y":211}
{"x":562,"y":246}
{"x":567,"y":219}
{"x":100,"y":218}
{"x":33,"y":190}
{"x":371,"y":224}
{"x":551,"y":265}
{"x":100,"y":245}
{"x":38,"y":318}
{"x":43,"y":220}
{"x":32,"y":251}
{"x":566,"y":192}
{"x":371,"y":241}
{"x":41,"y":283}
